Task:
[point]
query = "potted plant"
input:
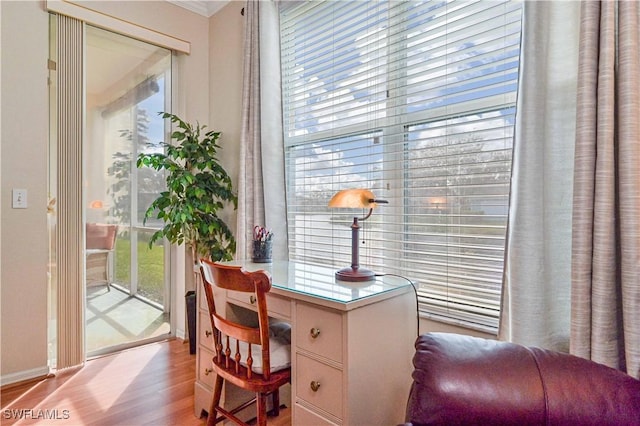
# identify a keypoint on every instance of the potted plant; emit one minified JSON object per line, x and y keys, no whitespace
{"x":198,"y":187}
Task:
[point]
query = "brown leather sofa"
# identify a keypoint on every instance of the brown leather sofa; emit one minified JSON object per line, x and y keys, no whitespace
{"x":464,"y":380}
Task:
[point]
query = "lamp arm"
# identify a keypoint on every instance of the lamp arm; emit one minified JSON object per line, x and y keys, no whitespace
{"x":372,"y":200}
{"x":367,"y":216}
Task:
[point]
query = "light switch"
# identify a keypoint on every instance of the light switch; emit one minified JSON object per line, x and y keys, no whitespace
{"x":19,"y":198}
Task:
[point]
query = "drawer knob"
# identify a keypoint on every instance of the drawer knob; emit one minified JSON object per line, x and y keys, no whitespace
{"x":315,"y":332}
{"x":252,"y":300}
{"x":208,"y":333}
{"x":208,"y":371}
{"x":315,"y":385}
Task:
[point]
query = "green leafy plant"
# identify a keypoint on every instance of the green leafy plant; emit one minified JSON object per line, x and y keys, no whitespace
{"x":198,"y":187}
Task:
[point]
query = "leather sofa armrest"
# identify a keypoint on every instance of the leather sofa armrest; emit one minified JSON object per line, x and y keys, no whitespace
{"x":583,"y":392}
{"x":464,"y":380}
{"x":461,"y":379}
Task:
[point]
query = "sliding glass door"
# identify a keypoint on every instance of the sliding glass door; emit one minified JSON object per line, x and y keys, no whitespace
{"x":127,"y":282}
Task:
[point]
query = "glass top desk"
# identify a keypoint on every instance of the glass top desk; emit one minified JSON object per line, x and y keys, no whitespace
{"x":351,"y":344}
{"x":317,"y":284}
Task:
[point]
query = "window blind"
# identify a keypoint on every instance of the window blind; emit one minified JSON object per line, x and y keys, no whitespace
{"x":414,"y":100}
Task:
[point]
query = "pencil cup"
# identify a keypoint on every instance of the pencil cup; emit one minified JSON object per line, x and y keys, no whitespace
{"x":261,"y":251}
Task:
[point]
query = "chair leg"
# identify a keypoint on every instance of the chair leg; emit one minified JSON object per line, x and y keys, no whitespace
{"x":261,"y":401}
{"x":215,"y":401}
{"x":109,"y":269}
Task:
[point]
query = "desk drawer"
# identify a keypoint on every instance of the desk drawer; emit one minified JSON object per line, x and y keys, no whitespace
{"x":319,"y":331}
{"x":308,"y":418}
{"x":277,"y":306}
{"x":205,"y":368}
{"x":328,"y":395}
{"x":205,"y":336}
{"x":243,"y":298}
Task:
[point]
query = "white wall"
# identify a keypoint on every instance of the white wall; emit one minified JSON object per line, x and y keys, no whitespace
{"x":23,"y":235}
{"x":23,"y":164}
{"x":427,"y":326}
{"x":226,"y":35}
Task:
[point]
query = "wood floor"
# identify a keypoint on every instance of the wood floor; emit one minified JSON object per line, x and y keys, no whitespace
{"x":152,"y":384}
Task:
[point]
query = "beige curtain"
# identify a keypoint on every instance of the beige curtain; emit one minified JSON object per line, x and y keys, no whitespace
{"x":250,"y":184}
{"x":69,"y":274}
{"x":261,"y":183}
{"x":535,"y":301}
{"x":605,"y":316}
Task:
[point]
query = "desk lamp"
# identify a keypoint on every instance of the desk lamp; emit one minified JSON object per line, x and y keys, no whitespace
{"x":355,"y":199}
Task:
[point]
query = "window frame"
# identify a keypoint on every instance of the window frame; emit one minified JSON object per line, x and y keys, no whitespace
{"x":401,"y":123}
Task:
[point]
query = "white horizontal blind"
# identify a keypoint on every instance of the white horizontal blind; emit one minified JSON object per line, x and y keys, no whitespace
{"x":414,"y":100}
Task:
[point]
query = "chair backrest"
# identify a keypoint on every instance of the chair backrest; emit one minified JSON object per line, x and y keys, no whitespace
{"x":228,"y":335}
{"x":101,"y":236}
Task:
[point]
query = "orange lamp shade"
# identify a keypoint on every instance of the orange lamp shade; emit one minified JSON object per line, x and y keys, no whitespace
{"x":353,"y":198}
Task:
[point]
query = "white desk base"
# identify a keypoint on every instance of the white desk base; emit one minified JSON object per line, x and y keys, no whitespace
{"x":361,"y":357}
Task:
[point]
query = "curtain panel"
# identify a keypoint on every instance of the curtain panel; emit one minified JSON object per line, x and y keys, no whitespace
{"x":535,"y":308}
{"x":605,"y":316}
{"x":572,"y":269}
{"x":261,"y":183}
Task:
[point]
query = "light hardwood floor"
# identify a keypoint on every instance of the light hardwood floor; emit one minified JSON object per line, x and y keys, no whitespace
{"x":151,"y":384}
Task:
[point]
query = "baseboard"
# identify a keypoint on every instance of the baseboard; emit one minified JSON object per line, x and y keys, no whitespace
{"x":23,"y":376}
{"x":180,"y":334}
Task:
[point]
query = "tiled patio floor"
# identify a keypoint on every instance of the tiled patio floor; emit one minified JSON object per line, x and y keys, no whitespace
{"x":113,"y":318}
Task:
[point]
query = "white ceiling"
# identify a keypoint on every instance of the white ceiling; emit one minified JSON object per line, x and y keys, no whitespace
{"x":202,"y":7}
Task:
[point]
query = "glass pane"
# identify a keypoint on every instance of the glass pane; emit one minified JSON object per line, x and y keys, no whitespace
{"x":151,"y":278}
{"x":127,"y":85}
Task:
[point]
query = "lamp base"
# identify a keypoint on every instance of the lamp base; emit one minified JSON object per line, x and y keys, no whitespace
{"x":355,"y":274}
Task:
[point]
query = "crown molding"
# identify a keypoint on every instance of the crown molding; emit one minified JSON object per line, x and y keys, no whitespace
{"x":202,"y":7}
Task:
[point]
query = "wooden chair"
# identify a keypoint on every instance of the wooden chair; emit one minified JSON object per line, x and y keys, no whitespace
{"x":100,"y":246}
{"x":243,"y":355}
